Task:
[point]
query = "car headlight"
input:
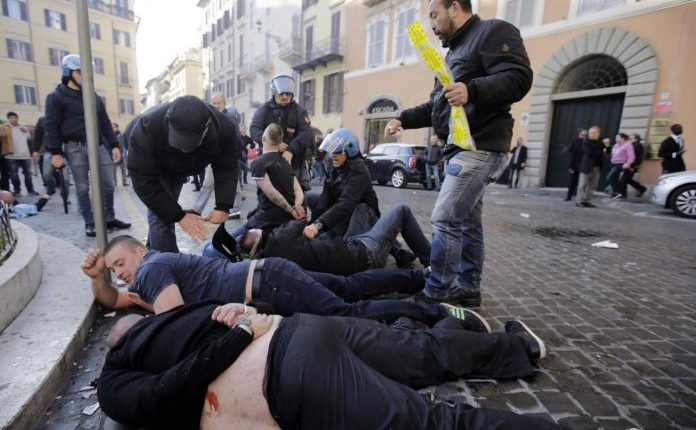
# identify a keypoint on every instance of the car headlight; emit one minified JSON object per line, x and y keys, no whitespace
{"x":664,"y":181}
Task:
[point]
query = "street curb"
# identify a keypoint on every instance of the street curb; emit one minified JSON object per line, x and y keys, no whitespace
{"x":38,"y":348}
{"x":20,"y":276}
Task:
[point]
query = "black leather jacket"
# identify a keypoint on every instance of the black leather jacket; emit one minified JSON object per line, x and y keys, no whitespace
{"x":490,"y":58}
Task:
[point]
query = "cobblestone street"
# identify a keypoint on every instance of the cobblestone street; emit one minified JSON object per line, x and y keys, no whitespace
{"x":620,"y":323}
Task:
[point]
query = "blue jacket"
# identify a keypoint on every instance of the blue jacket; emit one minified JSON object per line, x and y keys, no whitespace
{"x":65,"y":120}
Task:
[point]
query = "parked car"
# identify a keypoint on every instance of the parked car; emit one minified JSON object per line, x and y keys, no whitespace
{"x":676,"y":191}
{"x":398,"y":163}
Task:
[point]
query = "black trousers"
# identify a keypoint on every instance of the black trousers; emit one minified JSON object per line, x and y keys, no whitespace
{"x":573,"y":186}
{"x":345,"y":373}
{"x":627,"y":179}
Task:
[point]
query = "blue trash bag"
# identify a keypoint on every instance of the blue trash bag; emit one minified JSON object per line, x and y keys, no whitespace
{"x":23,"y":210}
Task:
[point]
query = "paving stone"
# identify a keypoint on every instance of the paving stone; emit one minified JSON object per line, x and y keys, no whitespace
{"x":651,"y":419}
{"x":558,"y":403}
{"x":524,"y":402}
{"x":681,"y":415}
{"x":615,"y":424}
{"x":595,"y":404}
{"x":579,"y":423}
{"x":622,"y":394}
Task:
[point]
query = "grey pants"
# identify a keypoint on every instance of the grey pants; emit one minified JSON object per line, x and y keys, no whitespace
{"x":587,"y":184}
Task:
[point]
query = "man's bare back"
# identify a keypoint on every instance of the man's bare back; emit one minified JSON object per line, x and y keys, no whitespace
{"x":235,"y":398}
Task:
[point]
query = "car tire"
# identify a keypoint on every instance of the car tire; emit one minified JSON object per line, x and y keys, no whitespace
{"x":683,"y":201}
{"x":398,"y":178}
{"x":381,"y":182}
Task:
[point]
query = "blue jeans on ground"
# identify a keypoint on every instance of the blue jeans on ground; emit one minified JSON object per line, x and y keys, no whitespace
{"x":289,"y":289}
{"x":432,"y":170}
{"x":379,"y":240}
{"x":161,"y":235}
{"x":76,"y":155}
{"x":456,"y":260}
{"x":25,"y":165}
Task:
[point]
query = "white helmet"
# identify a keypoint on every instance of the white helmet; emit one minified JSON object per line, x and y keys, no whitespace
{"x":70,"y":63}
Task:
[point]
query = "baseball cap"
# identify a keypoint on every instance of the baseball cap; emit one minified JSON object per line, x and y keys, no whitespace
{"x":190,"y":122}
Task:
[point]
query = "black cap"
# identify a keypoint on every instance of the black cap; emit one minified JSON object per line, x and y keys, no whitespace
{"x":189,"y":119}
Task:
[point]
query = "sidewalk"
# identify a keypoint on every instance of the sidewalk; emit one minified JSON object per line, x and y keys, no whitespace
{"x":620,"y":323}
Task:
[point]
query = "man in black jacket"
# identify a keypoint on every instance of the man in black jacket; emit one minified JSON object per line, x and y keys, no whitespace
{"x":575,"y":151}
{"x":517,"y":163}
{"x":627,"y":176}
{"x":491,"y":71}
{"x":170,"y":142}
{"x":671,"y":150}
{"x":338,"y":255}
{"x":292,"y":117}
{"x":66,"y":134}
{"x":433,"y":156}
{"x":593,"y":151}
{"x":214,"y":365}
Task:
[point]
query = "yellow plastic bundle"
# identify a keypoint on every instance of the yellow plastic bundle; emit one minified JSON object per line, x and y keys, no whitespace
{"x":459,"y":134}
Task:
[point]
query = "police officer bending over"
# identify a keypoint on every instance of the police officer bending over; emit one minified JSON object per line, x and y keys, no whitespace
{"x":170,"y":142}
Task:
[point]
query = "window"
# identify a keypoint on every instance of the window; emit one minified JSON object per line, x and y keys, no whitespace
{"x":25,"y":95}
{"x":55,"y":19}
{"x":98,"y":65}
{"x":55,"y":55}
{"x":336,"y":32}
{"x":378,"y":150}
{"x":375,"y":43}
{"x":590,"y":6}
{"x":219,"y":27}
{"x":333,"y":93}
{"x":226,"y":19}
{"x":520,"y":13}
{"x":403,"y":47}
{"x":94,"y":30}
{"x":222,"y":58}
{"x":251,"y":96}
{"x":229,"y":52}
{"x":122,"y":38}
{"x":121,"y":8}
{"x":15,"y":9}
{"x":309,"y":42}
{"x":240,"y":85}
{"x":241,"y":50}
{"x":125,"y":106}
{"x":230,"y":88}
{"x":240,"y":8}
{"x":123,"y":73}
{"x":308,"y":3}
{"x":213,"y":33}
{"x":205,"y":39}
{"x":307,"y":95}
{"x":19,"y":50}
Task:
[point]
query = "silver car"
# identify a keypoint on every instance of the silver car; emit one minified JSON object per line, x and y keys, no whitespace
{"x":676,"y":191}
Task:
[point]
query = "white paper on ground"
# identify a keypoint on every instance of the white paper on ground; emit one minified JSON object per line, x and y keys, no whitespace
{"x":91,"y":409}
{"x":524,"y":215}
{"x":606,"y":244}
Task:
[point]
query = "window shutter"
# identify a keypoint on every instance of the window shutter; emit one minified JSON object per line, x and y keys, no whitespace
{"x":339,"y":93}
{"x":23,"y":11}
{"x":327,"y":95}
{"x":63,"y":24}
{"x":5,"y":9}
{"x":18,"y":94}
{"x":30,"y":54}
{"x":10,"y":49}
{"x":127,"y":38}
{"x":47,"y":17}
{"x":32,"y":95}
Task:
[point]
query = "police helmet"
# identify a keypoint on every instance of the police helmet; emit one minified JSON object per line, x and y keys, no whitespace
{"x":341,"y":140}
{"x":70,"y":63}
{"x":282,"y":83}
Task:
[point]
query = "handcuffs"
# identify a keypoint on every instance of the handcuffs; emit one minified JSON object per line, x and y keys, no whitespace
{"x":243,"y":321}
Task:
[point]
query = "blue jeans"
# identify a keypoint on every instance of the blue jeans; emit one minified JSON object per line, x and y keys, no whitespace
{"x":161,"y":235}
{"x":456,"y":260}
{"x":289,"y":289}
{"x":432,"y":170}
{"x":26,"y":170}
{"x":76,"y":155}
{"x":379,"y":240}
{"x":613,"y":177}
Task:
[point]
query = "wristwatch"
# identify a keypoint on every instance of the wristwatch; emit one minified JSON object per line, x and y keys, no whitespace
{"x":244,"y":322}
{"x":319,"y":224}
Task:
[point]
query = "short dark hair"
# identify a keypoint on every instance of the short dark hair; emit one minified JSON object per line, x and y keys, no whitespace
{"x":464,"y":4}
{"x":124,"y":239}
{"x":624,"y":136}
{"x":674,"y":128}
{"x":10,"y":113}
{"x":637,"y":137}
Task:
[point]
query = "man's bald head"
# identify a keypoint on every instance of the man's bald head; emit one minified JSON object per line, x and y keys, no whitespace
{"x":121,"y":327}
{"x":218,"y":100}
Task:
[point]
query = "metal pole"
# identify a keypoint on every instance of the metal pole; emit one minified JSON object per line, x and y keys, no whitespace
{"x":91,"y":125}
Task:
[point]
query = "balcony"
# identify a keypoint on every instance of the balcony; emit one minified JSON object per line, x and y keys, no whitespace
{"x":111,"y":9}
{"x":321,"y":53}
{"x":245,"y":69}
{"x":291,"y":50}
{"x":263,"y":63}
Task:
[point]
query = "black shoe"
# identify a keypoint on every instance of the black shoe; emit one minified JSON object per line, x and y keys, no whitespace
{"x":404,"y":258}
{"x":580,"y":205}
{"x":467,"y":319}
{"x":589,"y":205}
{"x":536,"y":349}
{"x":641,"y":192}
{"x":457,"y":297}
{"x":89,"y":230}
{"x":117,"y":224}
{"x":41,"y":203}
{"x":406,"y":323}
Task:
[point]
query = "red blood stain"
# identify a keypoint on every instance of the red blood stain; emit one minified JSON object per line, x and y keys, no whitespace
{"x":213,"y":400}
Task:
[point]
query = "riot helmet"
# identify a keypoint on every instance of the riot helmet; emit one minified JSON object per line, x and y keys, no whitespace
{"x":341,"y":140}
{"x":282,"y":83}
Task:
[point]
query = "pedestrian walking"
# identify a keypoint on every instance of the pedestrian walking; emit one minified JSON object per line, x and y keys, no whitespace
{"x":627,"y":177}
{"x":671,"y":150}
{"x":575,"y":151}
{"x":593,"y":151}
{"x":517,"y":162}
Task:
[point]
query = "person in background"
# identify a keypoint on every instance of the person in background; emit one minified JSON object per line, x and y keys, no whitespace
{"x":433,"y":156}
{"x":122,"y":162}
{"x":622,"y":157}
{"x":21,"y":155}
{"x":575,"y":151}
{"x":627,"y":177}
{"x":593,"y":151}
{"x":671,"y":150}
{"x":517,"y":162}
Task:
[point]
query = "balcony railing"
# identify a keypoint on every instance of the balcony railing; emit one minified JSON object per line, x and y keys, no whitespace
{"x":111,"y":9}
{"x":263,"y":63}
{"x":245,"y":68}
{"x":320,"y":53}
{"x":8,"y":239}
{"x":290,"y":50}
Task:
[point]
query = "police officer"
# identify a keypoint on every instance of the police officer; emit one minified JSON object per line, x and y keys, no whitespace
{"x":348,"y":204}
{"x":170,"y":142}
{"x":65,"y":125}
{"x":293,"y":119}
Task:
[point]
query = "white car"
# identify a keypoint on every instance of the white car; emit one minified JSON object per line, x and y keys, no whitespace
{"x":676,"y":191}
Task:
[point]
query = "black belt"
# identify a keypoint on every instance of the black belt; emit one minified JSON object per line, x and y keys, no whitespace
{"x":256,"y":278}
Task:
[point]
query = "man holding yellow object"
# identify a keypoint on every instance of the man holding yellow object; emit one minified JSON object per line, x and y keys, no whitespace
{"x":490,"y":71}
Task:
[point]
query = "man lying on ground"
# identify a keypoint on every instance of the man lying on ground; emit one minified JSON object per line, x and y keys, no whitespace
{"x":336,"y":254}
{"x":160,"y":281}
{"x":228,"y":367}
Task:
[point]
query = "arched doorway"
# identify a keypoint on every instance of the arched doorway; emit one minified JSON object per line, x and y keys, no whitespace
{"x":590,"y":91}
{"x":629,"y":50}
{"x":378,"y":113}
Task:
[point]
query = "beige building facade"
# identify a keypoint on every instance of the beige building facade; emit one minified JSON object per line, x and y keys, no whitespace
{"x":35,"y":36}
{"x":622,"y":64}
{"x":183,"y":76}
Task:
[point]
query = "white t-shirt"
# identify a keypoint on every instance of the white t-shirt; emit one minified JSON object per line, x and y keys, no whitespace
{"x":20,"y":144}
